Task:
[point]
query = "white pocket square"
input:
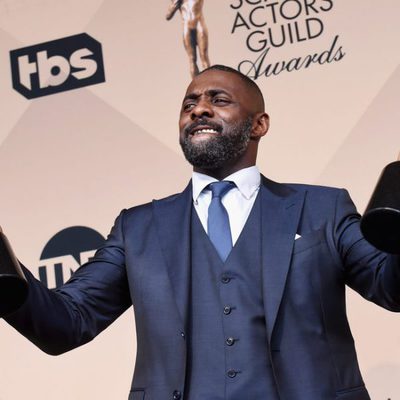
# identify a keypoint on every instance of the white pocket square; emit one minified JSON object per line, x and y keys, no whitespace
{"x":297,"y":236}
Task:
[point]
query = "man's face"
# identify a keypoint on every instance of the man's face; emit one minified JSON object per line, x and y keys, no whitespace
{"x":216,"y":119}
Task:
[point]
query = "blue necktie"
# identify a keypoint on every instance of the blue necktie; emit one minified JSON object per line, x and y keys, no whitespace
{"x":218,"y":227}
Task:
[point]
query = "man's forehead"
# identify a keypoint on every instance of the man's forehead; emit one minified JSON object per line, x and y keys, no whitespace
{"x":215,"y":80}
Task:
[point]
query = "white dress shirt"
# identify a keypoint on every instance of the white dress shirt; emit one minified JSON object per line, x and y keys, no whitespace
{"x":238,"y":201}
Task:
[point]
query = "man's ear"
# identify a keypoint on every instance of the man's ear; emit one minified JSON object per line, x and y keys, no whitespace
{"x":260,"y":126}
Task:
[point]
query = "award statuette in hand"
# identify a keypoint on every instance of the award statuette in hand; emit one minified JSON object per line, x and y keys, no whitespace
{"x":380,"y":223}
{"x":13,"y":284}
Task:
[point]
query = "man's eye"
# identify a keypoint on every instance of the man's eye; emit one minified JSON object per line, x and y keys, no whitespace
{"x":188,"y":106}
{"x":221,"y":100}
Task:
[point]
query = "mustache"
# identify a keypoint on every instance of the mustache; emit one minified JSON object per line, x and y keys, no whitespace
{"x":202,"y":122}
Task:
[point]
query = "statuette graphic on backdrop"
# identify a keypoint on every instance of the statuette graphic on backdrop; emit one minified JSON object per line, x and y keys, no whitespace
{"x":195,"y":33}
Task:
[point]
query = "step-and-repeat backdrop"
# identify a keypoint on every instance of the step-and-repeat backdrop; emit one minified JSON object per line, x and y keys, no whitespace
{"x":90,"y":94}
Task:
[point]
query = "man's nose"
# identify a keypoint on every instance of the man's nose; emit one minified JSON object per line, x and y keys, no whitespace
{"x":203,"y":108}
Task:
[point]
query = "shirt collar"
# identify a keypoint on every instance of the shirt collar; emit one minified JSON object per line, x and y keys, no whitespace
{"x":247,"y":180}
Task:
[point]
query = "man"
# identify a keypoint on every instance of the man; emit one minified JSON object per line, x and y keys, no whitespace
{"x":262,"y":320}
{"x":195,"y":33}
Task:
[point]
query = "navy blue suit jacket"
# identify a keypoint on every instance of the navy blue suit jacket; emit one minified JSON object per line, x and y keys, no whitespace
{"x":146,"y":262}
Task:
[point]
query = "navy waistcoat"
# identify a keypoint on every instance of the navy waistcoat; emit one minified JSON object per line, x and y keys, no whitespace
{"x":228,"y":349}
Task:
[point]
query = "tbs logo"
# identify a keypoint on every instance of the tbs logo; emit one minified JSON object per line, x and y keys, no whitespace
{"x":56,"y":66}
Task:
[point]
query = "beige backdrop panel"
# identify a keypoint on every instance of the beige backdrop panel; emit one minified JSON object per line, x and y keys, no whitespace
{"x":78,"y":157}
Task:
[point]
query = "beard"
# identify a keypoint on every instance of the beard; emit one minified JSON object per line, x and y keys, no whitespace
{"x":219,"y":150}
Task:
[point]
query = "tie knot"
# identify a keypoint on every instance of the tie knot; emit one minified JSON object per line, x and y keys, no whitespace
{"x":219,"y":189}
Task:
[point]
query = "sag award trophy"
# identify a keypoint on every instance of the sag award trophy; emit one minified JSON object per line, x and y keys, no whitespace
{"x":380,"y":223}
{"x":13,"y":284}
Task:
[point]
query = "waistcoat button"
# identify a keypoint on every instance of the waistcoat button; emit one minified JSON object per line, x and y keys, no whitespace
{"x":225,"y":279}
{"x":231,"y":373}
{"x":176,"y":395}
{"x":230,"y":341}
{"x":227,"y":310}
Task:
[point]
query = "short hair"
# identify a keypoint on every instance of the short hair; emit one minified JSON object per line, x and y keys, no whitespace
{"x":249,"y":82}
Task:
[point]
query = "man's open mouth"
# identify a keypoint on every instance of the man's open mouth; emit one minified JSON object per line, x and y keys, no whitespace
{"x":200,"y":131}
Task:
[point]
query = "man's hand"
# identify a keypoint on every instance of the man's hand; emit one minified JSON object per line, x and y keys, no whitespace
{"x":13,"y":284}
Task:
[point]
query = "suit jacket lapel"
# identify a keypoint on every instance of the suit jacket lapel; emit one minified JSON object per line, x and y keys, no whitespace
{"x":281,"y":209}
{"x":172,"y":216}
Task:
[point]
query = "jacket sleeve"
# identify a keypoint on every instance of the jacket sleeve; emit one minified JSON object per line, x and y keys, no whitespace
{"x":59,"y":320}
{"x":372,"y":273}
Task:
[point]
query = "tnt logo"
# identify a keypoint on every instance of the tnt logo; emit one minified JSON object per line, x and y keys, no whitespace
{"x":66,"y":252}
{"x":56,"y":66}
